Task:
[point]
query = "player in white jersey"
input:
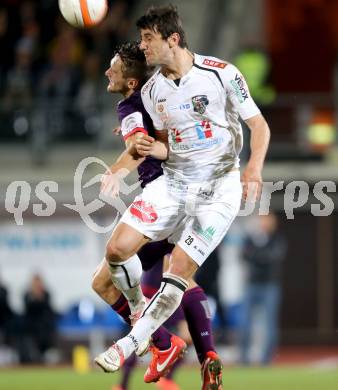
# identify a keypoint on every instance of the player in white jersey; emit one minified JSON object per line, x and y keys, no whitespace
{"x":200,"y":113}
{"x":194,"y":102}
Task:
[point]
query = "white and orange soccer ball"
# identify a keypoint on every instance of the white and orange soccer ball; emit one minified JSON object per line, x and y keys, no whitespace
{"x":83,"y":13}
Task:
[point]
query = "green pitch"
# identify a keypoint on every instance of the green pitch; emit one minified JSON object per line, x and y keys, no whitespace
{"x":187,"y":378}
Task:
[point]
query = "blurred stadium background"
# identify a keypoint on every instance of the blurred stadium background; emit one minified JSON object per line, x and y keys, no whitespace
{"x":55,"y":111}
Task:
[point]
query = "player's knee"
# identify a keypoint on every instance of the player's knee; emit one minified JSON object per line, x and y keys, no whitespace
{"x":116,"y":251}
{"x":182,"y":269}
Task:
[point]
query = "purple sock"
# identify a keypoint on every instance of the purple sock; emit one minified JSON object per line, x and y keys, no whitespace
{"x":161,"y":338}
{"x":197,"y":314}
{"x":127,"y":368}
{"x":121,"y":307}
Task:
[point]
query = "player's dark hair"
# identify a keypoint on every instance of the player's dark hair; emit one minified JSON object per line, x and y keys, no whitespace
{"x":134,"y":62}
{"x":165,"y":20}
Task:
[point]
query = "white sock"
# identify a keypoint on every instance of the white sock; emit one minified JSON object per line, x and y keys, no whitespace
{"x":159,"y":309}
{"x":126,"y":276}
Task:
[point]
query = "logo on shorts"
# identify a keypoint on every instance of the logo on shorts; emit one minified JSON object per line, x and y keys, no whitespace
{"x":206,"y":234}
{"x":143,"y":211}
{"x":206,"y":194}
{"x":200,"y":103}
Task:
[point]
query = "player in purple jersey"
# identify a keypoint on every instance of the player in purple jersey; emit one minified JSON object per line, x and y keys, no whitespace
{"x":131,"y":113}
{"x":126,"y":75}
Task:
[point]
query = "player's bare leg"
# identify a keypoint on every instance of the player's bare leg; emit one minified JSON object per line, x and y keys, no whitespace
{"x":102,"y":284}
{"x":125,"y":266}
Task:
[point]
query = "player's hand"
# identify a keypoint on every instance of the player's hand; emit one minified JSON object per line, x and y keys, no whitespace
{"x":110,"y":184}
{"x":117,"y":130}
{"x":252,"y":183}
{"x":144,"y":144}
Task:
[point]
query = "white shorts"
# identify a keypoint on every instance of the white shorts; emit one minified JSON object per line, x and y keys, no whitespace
{"x":196,"y":216}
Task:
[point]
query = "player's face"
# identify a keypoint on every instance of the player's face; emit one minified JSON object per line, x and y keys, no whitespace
{"x":117,"y":83}
{"x":155,"y":48}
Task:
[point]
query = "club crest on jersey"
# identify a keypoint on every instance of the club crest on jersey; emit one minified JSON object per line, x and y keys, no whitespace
{"x":200,"y":103}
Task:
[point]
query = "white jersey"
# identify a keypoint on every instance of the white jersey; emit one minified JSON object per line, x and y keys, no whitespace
{"x":200,"y":112}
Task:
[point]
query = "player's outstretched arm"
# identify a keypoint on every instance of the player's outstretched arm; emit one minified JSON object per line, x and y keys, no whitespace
{"x":259,"y":142}
{"x":127,"y":162}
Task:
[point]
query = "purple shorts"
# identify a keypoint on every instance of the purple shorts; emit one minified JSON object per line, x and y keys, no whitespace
{"x":153,"y":253}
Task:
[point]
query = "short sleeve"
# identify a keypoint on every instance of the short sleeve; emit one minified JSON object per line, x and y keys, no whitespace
{"x":238,"y":92}
{"x":150,"y":108}
{"x":132,"y":124}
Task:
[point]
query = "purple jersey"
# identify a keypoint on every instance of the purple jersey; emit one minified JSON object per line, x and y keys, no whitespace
{"x":133,"y":118}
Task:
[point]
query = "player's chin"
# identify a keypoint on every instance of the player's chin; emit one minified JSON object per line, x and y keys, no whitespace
{"x":151,"y":61}
{"x":111,"y":88}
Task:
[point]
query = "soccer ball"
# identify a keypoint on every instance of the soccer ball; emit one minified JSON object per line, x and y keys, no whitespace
{"x":83,"y":13}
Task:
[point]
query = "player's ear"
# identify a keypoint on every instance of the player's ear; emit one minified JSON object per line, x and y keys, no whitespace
{"x":132,"y":83}
{"x":174,"y":40}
